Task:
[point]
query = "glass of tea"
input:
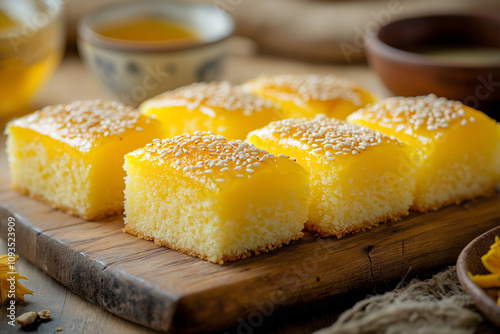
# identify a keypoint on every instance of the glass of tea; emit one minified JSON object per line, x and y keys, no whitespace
{"x":31,"y":46}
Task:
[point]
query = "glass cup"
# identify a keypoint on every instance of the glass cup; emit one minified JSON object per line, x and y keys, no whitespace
{"x":31,"y":46}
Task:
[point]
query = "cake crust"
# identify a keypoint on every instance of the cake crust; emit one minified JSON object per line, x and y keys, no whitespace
{"x":453,"y":201}
{"x":70,"y":211}
{"x":318,"y":230}
{"x":225,"y":259}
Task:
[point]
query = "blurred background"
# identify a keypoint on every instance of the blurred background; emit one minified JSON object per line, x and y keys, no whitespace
{"x":271,"y":36}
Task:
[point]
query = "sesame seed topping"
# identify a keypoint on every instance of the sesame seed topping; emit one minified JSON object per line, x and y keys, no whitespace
{"x":228,"y":157}
{"x":80,"y":123}
{"x":214,"y":94}
{"x":329,"y":135}
{"x":412,"y":113}
{"x":301,"y":88}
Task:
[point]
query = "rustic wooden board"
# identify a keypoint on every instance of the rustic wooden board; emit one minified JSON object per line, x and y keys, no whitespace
{"x":169,"y":291}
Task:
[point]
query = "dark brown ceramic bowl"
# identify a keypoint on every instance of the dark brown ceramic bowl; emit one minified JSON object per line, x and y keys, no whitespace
{"x":469,"y":260}
{"x":393,"y":52}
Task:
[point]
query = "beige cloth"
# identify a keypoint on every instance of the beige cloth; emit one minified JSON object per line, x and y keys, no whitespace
{"x":435,"y":306}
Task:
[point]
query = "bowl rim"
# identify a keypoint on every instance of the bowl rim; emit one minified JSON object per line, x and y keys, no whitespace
{"x":54,"y":10}
{"x":87,"y":34}
{"x":375,"y":45}
{"x":475,"y":292}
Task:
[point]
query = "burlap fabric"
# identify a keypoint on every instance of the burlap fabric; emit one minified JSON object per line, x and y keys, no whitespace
{"x":435,"y":306}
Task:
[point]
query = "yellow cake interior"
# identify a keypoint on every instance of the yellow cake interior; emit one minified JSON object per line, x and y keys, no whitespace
{"x":306,"y":95}
{"x":219,"y":107}
{"x":221,"y":215}
{"x":80,"y":175}
{"x":355,"y":177}
{"x":456,"y":148}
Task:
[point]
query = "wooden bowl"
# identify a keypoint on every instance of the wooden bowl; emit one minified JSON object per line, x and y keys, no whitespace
{"x":397,"y":53}
{"x":469,"y":260}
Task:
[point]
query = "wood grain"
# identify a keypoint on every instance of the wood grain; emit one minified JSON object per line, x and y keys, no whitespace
{"x":172,"y":292}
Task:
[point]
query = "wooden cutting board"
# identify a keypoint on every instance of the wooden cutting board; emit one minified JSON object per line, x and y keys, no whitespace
{"x":169,"y":291}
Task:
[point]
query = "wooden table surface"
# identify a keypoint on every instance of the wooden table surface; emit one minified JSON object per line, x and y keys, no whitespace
{"x":74,"y":314}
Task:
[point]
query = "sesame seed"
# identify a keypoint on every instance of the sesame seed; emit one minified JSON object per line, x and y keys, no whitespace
{"x":430,"y":111}
{"x":240,"y":175}
{"x":206,"y":96}
{"x":308,"y":87}
{"x":226,"y":155}
{"x":220,"y":180}
{"x":400,"y":127}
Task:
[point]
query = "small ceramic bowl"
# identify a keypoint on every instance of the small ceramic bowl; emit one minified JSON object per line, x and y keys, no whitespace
{"x":469,"y":260}
{"x":135,"y":71}
{"x":397,"y":53}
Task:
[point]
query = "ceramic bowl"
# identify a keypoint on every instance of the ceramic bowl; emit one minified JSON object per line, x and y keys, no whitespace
{"x":469,"y":260}
{"x":135,"y":71}
{"x":394,"y":52}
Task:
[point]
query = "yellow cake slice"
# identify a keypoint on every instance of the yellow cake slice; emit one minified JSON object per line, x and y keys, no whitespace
{"x":219,"y":107}
{"x":212,"y":198}
{"x":456,"y":148}
{"x":71,"y":156}
{"x":355,"y":178}
{"x":305,"y":95}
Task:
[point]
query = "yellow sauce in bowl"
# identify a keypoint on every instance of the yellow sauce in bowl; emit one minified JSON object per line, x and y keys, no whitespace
{"x":148,"y":30}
